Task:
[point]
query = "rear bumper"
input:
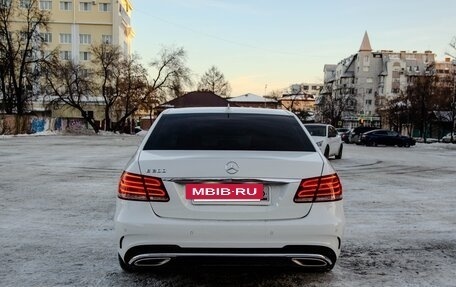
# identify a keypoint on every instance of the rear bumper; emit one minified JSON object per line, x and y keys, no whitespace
{"x":139,"y":231}
{"x":304,"y":256}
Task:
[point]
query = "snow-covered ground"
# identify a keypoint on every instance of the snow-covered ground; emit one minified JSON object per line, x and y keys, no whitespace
{"x":58,"y":200}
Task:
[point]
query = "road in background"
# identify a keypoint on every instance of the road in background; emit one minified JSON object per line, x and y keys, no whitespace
{"x":58,"y":201}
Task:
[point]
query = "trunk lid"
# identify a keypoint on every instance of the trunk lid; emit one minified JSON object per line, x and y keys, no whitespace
{"x":279,"y":172}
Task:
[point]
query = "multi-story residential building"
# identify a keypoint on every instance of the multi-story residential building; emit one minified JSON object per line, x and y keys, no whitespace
{"x":445,"y":68}
{"x":311,"y":88}
{"x":366,"y":80}
{"x":75,"y":25}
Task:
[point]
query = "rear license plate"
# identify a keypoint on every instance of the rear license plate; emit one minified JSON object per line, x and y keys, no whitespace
{"x":245,"y":192}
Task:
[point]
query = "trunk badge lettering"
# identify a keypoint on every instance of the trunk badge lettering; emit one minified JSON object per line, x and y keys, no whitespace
{"x":156,"y":170}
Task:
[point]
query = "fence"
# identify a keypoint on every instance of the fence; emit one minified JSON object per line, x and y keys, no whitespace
{"x":13,"y":124}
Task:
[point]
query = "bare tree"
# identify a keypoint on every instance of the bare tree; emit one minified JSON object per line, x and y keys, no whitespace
{"x":69,"y":84}
{"x":335,"y":102}
{"x":214,"y":81}
{"x":131,"y":90}
{"x":170,"y":73}
{"x":421,"y":96}
{"x":397,"y":112}
{"x":275,"y":94}
{"x":20,"y":51}
{"x":107,"y":64}
{"x":139,"y":91}
{"x":453,"y":82}
{"x":290,"y":100}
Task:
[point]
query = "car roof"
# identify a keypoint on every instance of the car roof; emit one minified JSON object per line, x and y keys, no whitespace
{"x":376,"y":130}
{"x":361,"y":128}
{"x":240,"y":110}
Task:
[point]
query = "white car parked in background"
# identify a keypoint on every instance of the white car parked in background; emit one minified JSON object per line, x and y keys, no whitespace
{"x":230,"y":184}
{"x":327,"y":139}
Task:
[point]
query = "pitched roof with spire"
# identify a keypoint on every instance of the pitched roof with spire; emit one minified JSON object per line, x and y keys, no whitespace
{"x":365,"y":45}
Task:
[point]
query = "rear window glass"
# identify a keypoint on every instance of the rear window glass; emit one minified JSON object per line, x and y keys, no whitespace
{"x":217,"y":131}
{"x":318,"y":131}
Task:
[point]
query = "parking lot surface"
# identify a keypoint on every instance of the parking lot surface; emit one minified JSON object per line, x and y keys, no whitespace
{"x":58,"y":201}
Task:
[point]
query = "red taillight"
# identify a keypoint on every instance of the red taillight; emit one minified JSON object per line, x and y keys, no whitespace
{"x":139,"y":187}
{"x":317,"y":189}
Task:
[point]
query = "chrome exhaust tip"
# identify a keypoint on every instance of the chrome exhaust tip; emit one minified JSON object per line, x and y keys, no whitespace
{"x":318,"y":261}
{"x":150,"y":261}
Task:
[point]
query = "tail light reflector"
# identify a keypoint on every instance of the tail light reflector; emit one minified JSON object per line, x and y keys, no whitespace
{"x":319,"y":189}
{"x":139,"y":187}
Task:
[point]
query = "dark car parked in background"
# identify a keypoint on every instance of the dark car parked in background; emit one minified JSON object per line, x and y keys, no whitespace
{"x":355,"y":134}
{"x":386,"y":137}
{"x":344,"y":134}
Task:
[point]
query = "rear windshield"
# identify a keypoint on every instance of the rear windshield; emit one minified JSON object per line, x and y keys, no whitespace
{"x":318,"y":131}
{"x":217,"y":131}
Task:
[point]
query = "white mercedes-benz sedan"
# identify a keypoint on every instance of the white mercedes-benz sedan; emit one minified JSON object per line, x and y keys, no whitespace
{"x":230,"y":184}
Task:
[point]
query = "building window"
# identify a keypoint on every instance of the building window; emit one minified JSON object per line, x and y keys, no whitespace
{"x":369,"y":91}
{"x":394,"y":56}
{"x":85,"y":39}
{"x":106,"y":39}
{"x":84,"y":56}
{"x":45,"y":5}
{"x":417,"y":68}
{"x":24,"y":3}
{"x":46,"y":37}
{"x":65,"y":38}
{"x":85,"y":6}
{"x":368,"y":80}
{"x":65,"y":55}
{"x":66,"y":5}
{"x":104,"y":7}
{"x":366,"y":69}
{"x":5,"y":3}
{"x":368,"y":102}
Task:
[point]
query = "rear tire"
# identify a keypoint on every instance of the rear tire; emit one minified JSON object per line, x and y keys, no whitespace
{"x":326,"y":152}
{"x":339,"y":154}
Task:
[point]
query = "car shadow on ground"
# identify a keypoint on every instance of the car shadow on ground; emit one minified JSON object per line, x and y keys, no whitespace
{"x":203,"y":275}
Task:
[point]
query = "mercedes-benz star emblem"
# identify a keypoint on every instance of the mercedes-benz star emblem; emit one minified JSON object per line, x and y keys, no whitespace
{"x":232,"y":167}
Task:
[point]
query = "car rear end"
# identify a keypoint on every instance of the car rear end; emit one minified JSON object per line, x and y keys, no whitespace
{"x":228,"y":183}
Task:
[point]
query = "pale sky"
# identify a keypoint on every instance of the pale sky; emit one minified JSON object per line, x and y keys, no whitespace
{"x":277,"y":43}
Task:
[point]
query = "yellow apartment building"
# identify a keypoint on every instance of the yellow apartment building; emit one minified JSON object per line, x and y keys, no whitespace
{"x":75,"y":25}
